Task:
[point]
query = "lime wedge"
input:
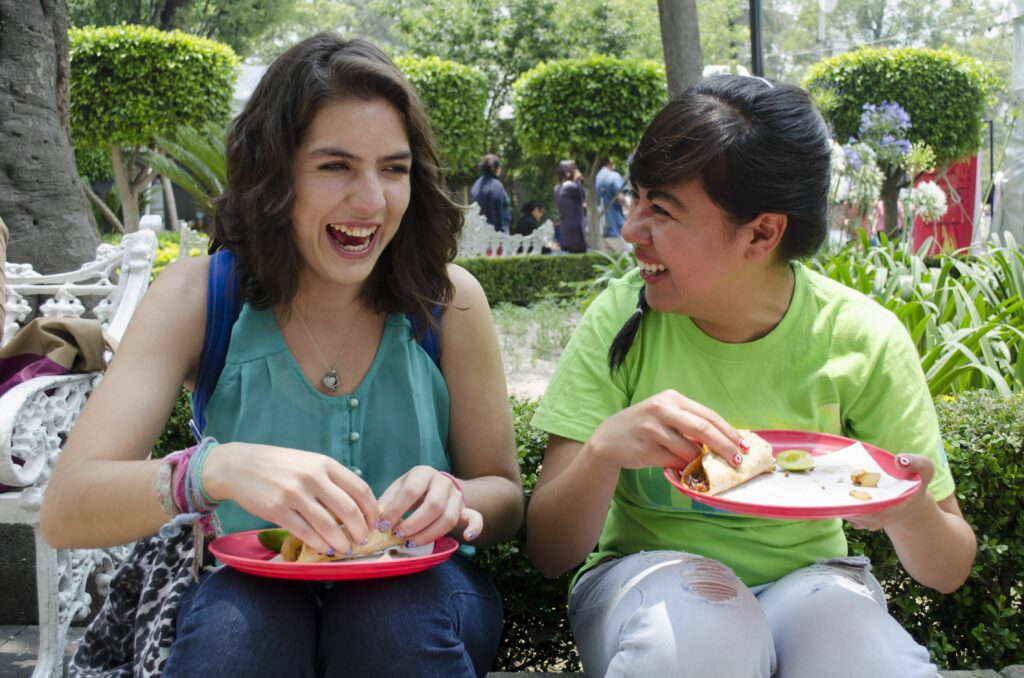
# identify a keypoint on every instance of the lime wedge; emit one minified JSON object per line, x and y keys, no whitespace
{"x":272,"y":539}
{"x":795,"y":460}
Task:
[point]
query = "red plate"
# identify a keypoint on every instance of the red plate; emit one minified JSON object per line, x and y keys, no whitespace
{"x":244,"y":552}
{"x":818,"y":444}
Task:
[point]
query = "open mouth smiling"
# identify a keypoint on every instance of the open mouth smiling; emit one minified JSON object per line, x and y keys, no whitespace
{"x":352,"y":239}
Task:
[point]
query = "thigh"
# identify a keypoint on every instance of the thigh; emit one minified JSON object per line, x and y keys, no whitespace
{"x":445,"y":621}
{"x":665,"y":613}
{"x":830,"y":619}
{"x":235,"y":624}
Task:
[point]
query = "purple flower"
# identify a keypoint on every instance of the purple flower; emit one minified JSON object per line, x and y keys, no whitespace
{"x":853,"y":158}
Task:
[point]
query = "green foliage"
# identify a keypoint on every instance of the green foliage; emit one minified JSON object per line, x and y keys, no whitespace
{"x":525,"y":279}
{"x":93,"y":165}
{"x":193,"y":159}
{"x":130,"y":84}
{"x":963,"y":313}
{"x":536,"y":632}
{"x":589,"y":108}
{"x":238,"y":23}
{"x":944,"y":92}
{"x":455,"y":97}
{"x":176,"y":434}
{"x":979,"y":624}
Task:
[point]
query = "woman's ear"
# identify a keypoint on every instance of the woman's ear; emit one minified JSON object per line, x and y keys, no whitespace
{"x":765,"y":232}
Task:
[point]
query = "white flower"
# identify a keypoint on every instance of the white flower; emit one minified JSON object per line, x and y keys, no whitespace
{"x":926,"y":200}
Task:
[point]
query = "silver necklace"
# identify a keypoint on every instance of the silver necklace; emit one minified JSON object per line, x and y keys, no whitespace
{"x":330,"y":378}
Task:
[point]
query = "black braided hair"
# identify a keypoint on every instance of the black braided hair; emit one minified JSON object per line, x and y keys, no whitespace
{"x":627,"y":335}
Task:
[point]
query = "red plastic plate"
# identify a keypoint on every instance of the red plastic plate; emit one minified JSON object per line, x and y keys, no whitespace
{"x":817,"y":444}
{"x":243,"y":552}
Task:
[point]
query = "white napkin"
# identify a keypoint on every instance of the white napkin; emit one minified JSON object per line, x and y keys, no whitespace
{"x":827,"y":484}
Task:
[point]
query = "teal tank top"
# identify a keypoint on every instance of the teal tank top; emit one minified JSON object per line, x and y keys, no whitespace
{"x":395,"y":419}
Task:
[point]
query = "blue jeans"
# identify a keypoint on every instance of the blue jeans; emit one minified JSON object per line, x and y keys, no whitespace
{"x":445,"y":621}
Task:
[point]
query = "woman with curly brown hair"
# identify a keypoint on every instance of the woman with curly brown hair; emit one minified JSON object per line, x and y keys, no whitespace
{"x":334,"y":416}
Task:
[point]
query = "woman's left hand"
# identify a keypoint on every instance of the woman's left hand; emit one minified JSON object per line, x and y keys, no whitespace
{"x":911,"y":463}
{"x":437,"y":504}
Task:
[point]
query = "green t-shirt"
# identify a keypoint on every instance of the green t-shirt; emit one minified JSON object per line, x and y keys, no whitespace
{"x":837,"y":363}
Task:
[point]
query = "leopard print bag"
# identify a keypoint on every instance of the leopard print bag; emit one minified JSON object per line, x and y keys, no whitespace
{"x":133,"y":631}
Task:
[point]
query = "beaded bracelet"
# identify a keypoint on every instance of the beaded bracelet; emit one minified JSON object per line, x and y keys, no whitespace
{"x":456,"y":482}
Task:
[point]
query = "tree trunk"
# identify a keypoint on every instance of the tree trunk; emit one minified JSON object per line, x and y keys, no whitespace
{"x":126,"y":189}
{"x":170,"y":207}
{"x":594,"y":225}
{"x":680,"y":42}
{"x":41,"y":198}
{"x":891,"y":186}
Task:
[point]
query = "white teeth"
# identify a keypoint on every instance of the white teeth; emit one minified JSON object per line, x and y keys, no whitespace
{"x":355,"y":232}
{"x":651,"y":269}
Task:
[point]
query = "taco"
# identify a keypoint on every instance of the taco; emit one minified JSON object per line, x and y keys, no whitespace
{"x":711,"y":475}
{"x":294,"y":550}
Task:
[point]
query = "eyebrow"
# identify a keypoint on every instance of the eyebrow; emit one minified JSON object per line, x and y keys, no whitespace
{"x":660,"y":194}
{"x":331,"y":152}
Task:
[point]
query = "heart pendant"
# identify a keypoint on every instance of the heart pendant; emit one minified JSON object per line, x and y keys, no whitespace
{"x":331,"y":380}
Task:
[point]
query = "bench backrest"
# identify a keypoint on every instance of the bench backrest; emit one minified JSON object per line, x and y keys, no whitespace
{"x":109,"y":288}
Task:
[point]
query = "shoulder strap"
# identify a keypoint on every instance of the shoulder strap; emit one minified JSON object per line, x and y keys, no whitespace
{"x":431,"y":339}
{"x":223,"y":304}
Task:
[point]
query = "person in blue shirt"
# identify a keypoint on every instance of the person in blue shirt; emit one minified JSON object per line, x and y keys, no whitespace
{"x":490,"y":194}
{"x":613,"y":204}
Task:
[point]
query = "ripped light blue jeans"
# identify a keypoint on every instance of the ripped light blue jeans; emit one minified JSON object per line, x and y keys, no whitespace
{"x":665,"y":613}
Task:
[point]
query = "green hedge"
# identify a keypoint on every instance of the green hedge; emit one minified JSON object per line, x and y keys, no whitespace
{"x":980,"y":624}
{"x":522,"y":280}
{"x":977,"y":626}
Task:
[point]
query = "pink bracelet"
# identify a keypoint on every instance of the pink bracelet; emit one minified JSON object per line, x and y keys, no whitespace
{"x":456,"y":482}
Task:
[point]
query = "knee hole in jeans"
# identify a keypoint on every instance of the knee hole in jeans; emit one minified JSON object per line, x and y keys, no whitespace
{"x":710,"y":580}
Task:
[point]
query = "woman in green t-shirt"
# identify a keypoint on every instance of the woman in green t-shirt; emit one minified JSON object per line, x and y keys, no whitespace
{"x":721,"y":328}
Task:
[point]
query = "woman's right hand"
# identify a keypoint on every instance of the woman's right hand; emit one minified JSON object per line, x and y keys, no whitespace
{"x":667,"y":429}
{"x":295,"y":489}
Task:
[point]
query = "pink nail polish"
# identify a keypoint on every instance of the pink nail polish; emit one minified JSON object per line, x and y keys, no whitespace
{"x":744,"y":445}
{"x":903,"y":461}
{"x":737,"y":459}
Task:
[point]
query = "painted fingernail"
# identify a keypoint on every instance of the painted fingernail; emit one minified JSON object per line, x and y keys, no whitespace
{"x":398,"y":532}
{"x":365,"y":541}
{"x":383,"y":524}
{"x":330,"y":551}
{"x":903,"y":461}
{"x":471,"y":536}
{"x":410,"y":544}
{"x":349,"y":552}
{"x":737,"y":459}
{"x":744,"y":445}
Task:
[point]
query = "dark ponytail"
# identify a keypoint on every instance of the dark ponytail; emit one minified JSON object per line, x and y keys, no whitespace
{"x":627,"y":335}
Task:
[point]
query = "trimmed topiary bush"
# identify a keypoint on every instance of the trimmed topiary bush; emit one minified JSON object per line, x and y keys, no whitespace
{"x":455,"y":97}
{"x":130,"y":84}
{"x":588,"y":110}
{"x":944,"y":93}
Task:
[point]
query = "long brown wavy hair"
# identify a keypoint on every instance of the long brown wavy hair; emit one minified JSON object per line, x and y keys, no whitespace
{"x":253,"y":218}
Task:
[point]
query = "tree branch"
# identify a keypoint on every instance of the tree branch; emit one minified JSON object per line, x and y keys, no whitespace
{"x":107,"y":213}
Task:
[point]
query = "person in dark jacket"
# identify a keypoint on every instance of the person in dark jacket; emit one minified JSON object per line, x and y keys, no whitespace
{"x":529,"y":219}
{"x":490,"y":194}
{"x":571,"y":200}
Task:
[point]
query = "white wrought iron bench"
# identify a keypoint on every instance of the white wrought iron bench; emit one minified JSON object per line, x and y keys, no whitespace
{"x":36,"y":415}
{"x":480,"y":239}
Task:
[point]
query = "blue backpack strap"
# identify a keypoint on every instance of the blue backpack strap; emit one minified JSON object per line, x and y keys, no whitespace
{"x":431,"y":339}
{"x":223,"y":304}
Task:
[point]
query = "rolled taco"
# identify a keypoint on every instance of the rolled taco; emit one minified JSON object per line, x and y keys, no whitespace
{"x":711,"y":475}
{"x":294,"y":550}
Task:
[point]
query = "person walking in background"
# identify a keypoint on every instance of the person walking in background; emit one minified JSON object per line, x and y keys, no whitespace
{"x":529,"y":218}
{"x":570,"y":197}
{"x":488,"y":192}
{"x":613,"y":204}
